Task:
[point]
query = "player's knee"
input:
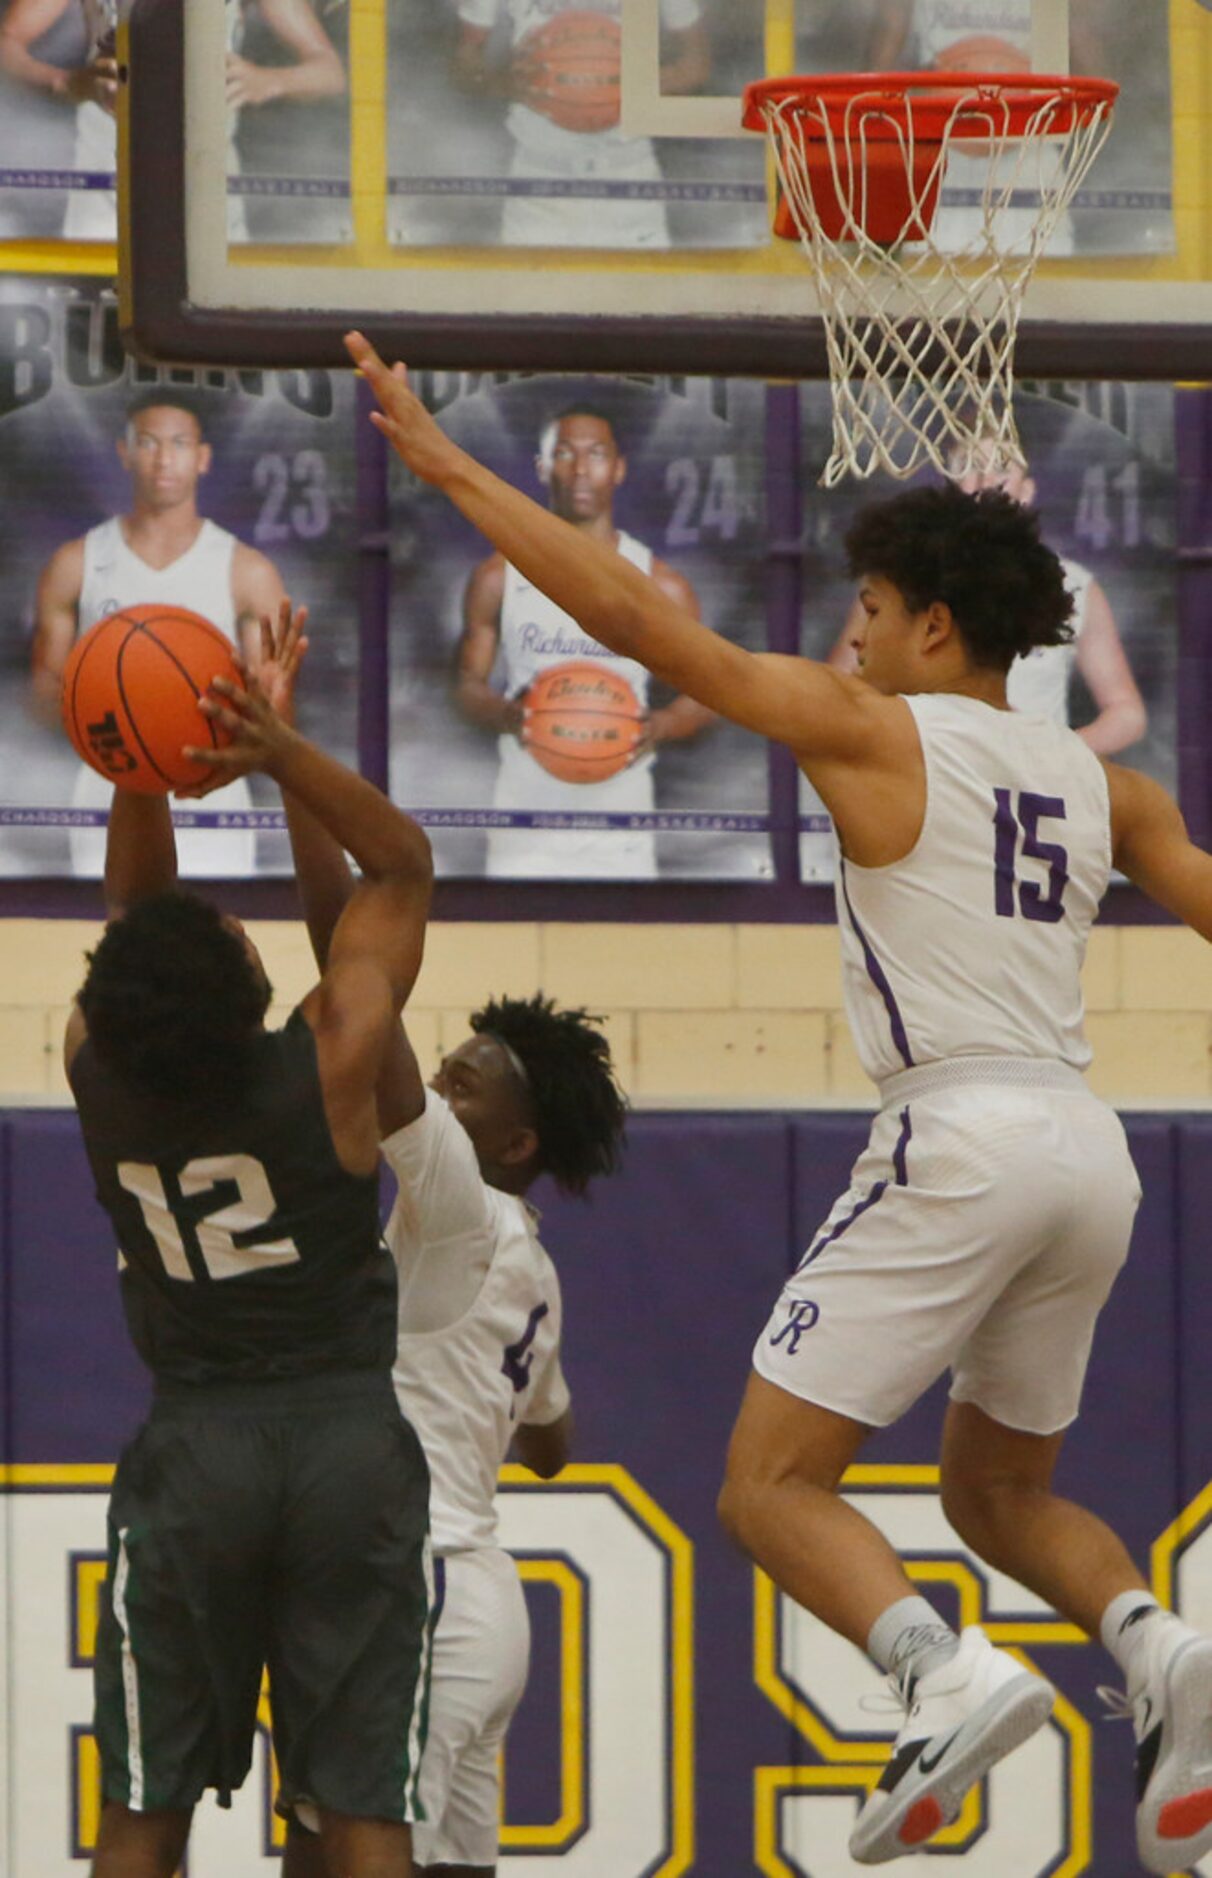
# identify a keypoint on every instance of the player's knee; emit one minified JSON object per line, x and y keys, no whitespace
{"x":979,"y":1506}
{"x":736,"y":1507}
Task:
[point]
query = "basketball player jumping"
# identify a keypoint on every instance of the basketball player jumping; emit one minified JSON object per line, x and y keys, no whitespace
{"x":315,"y":72}
{"x":507,"y":618}
{"x":993,"y":1207}
{"x":547,"y":152}
{"x":273,"y":1508}
{"x":531,"y":1091}
{"x":161,"y":549}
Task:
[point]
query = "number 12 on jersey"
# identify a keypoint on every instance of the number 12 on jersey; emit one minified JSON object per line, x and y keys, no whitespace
{"x":1014,"y":820}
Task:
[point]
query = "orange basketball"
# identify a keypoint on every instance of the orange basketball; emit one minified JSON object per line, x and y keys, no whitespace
{"x":131,"y":690}
{"x":569,"y":68}
{"x":982,"y":52}
{"x":582,"y":722}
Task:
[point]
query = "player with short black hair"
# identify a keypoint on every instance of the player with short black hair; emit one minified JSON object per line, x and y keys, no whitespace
{"x":272,"y":1510}
{"x":161,"y":549}
{"x":531,"y":1091}
{"x":513,"y":635}
{"x":993,"y":1206}
{"x":563,"y":1064}
{"x":173,"y":996}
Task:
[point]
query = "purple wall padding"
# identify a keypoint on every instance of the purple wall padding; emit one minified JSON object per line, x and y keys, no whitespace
{"x":668,"y":1276}
{"x":78,"y":1389}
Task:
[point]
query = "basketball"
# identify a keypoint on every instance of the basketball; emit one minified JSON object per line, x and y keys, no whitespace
{"x":982,"y":52}
{"x":582,"y":722}
{"x":130,"y":695}
{"x":569,"y":68}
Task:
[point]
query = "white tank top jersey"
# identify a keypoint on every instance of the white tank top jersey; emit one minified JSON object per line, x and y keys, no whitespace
{"x":941,"y":24}
{"x":531,"y":129}
{"x":1038,"y":683}
{"x":96,"y":128}
{"x":115,"y":576}
{"x":973,"y":944}
{"x":480,"y":1315}
{"x":536,"y":634}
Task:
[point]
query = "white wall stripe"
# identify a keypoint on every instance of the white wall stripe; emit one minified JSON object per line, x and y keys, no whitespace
{"x":130,"y":1679}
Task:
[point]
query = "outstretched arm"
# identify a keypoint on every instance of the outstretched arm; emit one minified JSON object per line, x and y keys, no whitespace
{"x":325,"y":881}
{"x":377,"y":942}
{"x":819,"y":713}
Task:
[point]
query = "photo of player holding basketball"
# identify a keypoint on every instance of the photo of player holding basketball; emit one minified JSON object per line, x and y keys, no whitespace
{"x":1130,"y":211}
{"x":508,"y":622}
{"x":61,"y":57}
{"x":540,"y":755}
{"x":161,"y":549}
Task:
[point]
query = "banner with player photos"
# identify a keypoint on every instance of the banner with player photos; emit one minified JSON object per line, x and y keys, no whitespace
{"x":1103,"y":474}
{"x":503,"y":128}
{"x":287,"y":89}
{"x":536,"y":753}
{"x":213,"y":490}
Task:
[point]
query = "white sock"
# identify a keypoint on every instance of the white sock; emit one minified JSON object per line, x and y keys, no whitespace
{"x":910,"y":1639}
{"x":1124,"y":1624}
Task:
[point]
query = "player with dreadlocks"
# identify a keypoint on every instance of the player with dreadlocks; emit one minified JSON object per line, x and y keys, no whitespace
{"x":531,"y":1091}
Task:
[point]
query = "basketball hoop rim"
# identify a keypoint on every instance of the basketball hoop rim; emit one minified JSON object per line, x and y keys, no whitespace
{"x":929,"y":99}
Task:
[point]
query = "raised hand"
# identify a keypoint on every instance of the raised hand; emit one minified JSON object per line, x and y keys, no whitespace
{"x":282,"y":650}
{"x":402,"y":417}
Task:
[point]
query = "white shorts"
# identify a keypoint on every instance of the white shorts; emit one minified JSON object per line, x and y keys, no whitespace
{"x":982,"y":1231}
{"x":481,"y":1653}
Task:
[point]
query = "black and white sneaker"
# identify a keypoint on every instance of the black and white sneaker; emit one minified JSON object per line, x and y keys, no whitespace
{"x":1170,"y":1704}
{"x":962,"y":1718}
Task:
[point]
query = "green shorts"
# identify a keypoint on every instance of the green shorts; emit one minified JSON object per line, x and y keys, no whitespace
{"x":282,"y":1525}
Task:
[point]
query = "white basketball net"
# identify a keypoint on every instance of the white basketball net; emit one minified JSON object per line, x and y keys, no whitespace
{"x":921,"y":334}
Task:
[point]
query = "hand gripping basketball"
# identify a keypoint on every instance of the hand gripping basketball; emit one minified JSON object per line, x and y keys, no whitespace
{"x":569,"y":70}
{"x":583,"y":722}
{"x":132,"y":690}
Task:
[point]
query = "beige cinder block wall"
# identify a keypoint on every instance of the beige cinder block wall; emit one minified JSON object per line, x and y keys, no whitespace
{"x":711,"y":1016}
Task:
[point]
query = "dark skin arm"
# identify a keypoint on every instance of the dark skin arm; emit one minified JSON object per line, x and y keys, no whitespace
{"x":377,"y":944}
{"x":474,"y":694}
{"x":325,"y":882}
{"x":546,"y":1451}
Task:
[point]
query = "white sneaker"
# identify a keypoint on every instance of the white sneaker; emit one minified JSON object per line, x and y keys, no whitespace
{"x":962,"y":1718}
{"x":1171,"y":1710}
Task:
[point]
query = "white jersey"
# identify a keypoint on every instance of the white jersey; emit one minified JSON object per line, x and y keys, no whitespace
{"x":531,"y":129}
{"x":940,"y":25}
{"x":973,"y":944}
{"x":466,"y":1382}
{"x":116,"y":577}
{"x":535,"y":635}
{"x":92,"y":213}
{"x":1038,"y":683}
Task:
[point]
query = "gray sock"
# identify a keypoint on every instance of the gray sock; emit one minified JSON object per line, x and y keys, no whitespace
{"x":910,"y":1639}
{"x":1124,"y":1623}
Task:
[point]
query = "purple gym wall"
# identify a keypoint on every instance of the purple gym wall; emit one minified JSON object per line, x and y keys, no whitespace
{"x":668,"y":1276}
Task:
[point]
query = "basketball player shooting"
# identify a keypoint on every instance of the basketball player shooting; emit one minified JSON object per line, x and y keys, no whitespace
{"x":530,"y":1091}
{"x":993,"y":1206}
{"x":510,"y":623}
{"x":162,"y":550}
{"x":272,"y":1510}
